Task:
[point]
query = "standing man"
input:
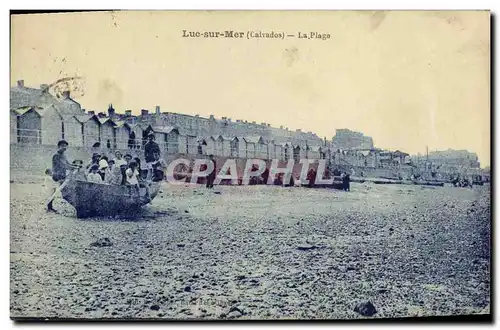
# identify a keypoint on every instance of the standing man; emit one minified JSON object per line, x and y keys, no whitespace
{"x":60,"y":166}
{"x":150,"y":149}
{"x":211,"y":176}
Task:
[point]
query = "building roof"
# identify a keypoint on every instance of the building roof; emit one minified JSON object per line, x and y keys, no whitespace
{"x":253,"y":139}
{"x":136,"y":125}
{"x":21,"y":97}
{"x":25,"y":96}
{"x":121,"y":123}
{"x":164,"y":129}
{"x":85,"y":118}
{"x":401,"y":153}
{"x":223,"y":137}
{"x":22,"y":111}
{"x":106,"y":120}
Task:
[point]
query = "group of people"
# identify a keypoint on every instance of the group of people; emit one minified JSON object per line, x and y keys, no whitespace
{"x":121,"y":170}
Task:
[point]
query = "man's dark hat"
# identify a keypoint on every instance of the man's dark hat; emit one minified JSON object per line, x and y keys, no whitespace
{"x":62,"y":142}
{"x":128,"y":155}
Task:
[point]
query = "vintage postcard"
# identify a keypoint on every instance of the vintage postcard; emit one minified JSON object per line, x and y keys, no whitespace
{"x":250,"y":165}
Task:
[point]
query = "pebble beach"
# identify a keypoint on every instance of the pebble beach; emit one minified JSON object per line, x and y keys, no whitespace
{"x":255,"y":252}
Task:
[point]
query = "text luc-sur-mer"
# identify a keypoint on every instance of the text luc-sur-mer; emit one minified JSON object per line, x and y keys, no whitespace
{"x":250,"y":34}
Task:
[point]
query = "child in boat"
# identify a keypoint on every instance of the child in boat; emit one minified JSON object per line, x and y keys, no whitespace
{"x":109,"y":173}
{"x":94,"y":176}
{"x":116,"y":176}
{"x":103,"y":167}
{"x":159,"y":167}
{"x":137,"y":160}
{"x":128,"y":158}
{"x":95,"y":160}
{"x":79,"y":172}
{"x":119,"y":161}
{"x":132,"y":174}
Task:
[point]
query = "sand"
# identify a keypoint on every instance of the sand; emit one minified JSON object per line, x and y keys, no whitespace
{"x":256,"y":252}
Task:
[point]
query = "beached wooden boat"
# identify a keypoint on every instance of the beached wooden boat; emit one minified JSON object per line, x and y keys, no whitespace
{"x":387,"y":181}
{"x":429,"y":183}
{"x":100,"y":199}
{"x":357,"y":180}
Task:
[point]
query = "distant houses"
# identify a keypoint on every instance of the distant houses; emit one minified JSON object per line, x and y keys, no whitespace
{"x":38,"y":117}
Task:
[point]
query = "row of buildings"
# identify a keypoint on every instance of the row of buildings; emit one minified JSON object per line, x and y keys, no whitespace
{"x":38,"y":117}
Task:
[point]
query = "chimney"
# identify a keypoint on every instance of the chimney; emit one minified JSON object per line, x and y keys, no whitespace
{"x":111,"y":112}
{"x":298,"y":130}
{"x":128,"y":113}
{"x":281,"y":127}
{"x":44,"y":88}
{"x":238,"y":120}
{"x":157,"y":110}
{"x":253,"y":122}
{"x":101,"y":115}
{"x":224,"y":118}
{"x":229,"y":119}
{"x":91,"y":112}
{"x":197,"y":115}
{"x":212,"y":117}
{"x":263,"y":124}
{"x":268,"y":125}
{"x":20,"y":83}
{"x":144,"y":112}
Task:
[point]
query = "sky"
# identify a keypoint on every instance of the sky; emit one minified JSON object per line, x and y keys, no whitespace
{"x":410,"y":80}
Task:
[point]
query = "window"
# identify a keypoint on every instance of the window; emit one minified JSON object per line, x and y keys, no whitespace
{"x":234,"y":148}
{"x":18,"y":129}
{"x":296,"y":154}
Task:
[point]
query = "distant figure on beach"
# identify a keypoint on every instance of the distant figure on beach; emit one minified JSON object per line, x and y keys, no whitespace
{"x":346,"y":185}
{"x":311,"y":177}
{"x":60,"y":166}
{"x":265,"y":176}
{"x":211,"y":176}
{"x":254,"y":180}
{"x":278,"y":179}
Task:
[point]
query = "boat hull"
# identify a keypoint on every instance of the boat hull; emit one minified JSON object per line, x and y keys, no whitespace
{"x":98,"y":199}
